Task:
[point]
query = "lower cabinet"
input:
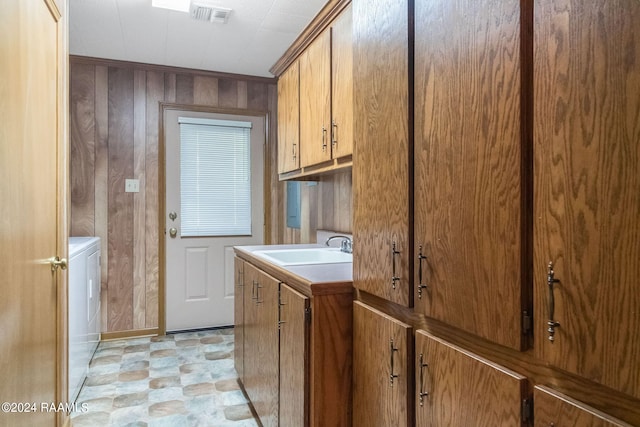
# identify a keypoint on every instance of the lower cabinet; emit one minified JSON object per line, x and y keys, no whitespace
{"x":293,"y":349}
{"x":457,"y":388}
{"x":381,"y":369}
{"x":261,"y":349}
{"x":552,"y":408}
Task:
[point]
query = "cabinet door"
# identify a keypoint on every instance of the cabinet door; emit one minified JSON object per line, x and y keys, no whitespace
{"x":381,"y":154}
{"x":289,"y":120}
{"x":587,"y":187}
{"x":315,"y":106}
{"x":294,"y":342}
{"x":238,"y":313}
{"x":457,"y":388}
{"x":342,"y":85}
{"x":469,"y":167}
{"x":551,"y":408}
{"x":261,"y":344}
{"x":381,"y":369}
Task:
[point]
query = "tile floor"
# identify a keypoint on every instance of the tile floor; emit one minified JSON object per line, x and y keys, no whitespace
{"x":178,"y":380}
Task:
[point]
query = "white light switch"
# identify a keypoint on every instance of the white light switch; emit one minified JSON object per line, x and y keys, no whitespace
{"x":131,"y":185}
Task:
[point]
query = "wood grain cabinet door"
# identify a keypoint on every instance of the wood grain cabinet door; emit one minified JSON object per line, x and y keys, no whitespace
{"x":381,"y":153}
{"x":294,"y":345}
{"x":456,"y":388}
{"x":289,"y":119}
{"x":238,"y":313}
{"x":381,"y":369}
{"x":551,"y":408}
{"x":587,"y":189}
{"x":342,"y":85}
{"x":261,"y":343}
{"x":471,"y":233}
{"x":315,"y":105}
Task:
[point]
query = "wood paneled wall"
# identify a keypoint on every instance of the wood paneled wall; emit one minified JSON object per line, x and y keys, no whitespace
{"x":114,"y":108}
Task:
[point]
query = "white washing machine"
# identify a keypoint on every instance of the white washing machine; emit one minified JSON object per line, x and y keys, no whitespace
{"x":84,"y":308}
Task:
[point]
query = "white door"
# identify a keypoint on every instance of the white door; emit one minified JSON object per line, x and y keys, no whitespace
{"x":208,"y":211}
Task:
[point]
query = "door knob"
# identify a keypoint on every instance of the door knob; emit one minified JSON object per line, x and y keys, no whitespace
{"x":173,"y":232}
{"x":58,"y":263}
{"x":173,"y":216}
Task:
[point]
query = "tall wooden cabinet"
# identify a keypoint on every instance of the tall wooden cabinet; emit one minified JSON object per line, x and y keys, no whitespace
{"x":497,"y":148}
{"x":381,"y":160}
{"x":471,"y":149}
{"x":587,"y":189}
{"x":342,"y":85}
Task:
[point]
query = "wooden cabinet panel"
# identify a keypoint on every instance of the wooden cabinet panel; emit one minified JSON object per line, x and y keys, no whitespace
{"x":587,"y":209}
{"x":289,"y":119}
{"x":461,"y":389}
{"x":342,"y":85}
{"x":315,"y":106}
{"x":382,"y":371}
{"x":551,"y":408}
{"x":294,"y":341}
{"x":381,"y":153}
{"x":261,"y":344}
{"x":238,"y":313}
{"x":469,"y":167}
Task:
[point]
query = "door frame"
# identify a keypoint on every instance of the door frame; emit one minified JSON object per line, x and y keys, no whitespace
{"x":266,"y":187}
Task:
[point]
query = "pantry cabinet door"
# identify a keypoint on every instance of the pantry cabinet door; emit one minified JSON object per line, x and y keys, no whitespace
{"x":587,"y":189}
{"x":381,"y":254}
{"x":382,"y":370}
{"x":471,"y":167}
{"x":456,"y":388}
{"x":551,"y":408}
{"x":315,"y":105}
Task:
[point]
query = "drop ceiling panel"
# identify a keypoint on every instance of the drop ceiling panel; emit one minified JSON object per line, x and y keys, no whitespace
{"x":257,"y":34}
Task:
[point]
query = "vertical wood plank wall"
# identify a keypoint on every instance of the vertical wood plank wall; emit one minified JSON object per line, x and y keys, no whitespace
{"x":114,"y":109}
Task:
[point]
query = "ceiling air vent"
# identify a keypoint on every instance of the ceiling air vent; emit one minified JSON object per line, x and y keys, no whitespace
{"x":206,"y":12}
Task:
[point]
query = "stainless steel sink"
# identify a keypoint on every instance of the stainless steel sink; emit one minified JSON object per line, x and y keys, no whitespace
{"x":305,"y":256}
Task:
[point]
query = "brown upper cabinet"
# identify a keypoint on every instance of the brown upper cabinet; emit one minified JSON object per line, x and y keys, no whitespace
{"x":471,"y":167}
{"x":315,"y":104}
{"x":289,"y":119}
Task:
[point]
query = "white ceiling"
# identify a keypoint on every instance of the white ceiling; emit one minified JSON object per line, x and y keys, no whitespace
{"x":257,"y":34}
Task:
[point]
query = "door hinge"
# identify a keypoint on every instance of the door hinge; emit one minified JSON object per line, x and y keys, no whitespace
{"x":307,"y":314}
{"x":527,"y":410}
{"x":526,"y":323}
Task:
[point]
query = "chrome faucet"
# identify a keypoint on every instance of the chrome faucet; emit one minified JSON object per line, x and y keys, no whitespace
{"x":346,"y":245}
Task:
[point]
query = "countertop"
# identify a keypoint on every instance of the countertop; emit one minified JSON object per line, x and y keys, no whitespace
{"x":310,"y":279}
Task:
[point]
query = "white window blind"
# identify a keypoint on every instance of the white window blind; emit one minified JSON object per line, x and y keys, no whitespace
{"x":215,"y":177}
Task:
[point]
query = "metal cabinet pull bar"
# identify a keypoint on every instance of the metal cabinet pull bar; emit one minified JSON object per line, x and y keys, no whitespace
{"x":324,"y":139}
{"x":421,"y":285}
{"x":551,"y":323}
{"x":392,"y":350}
{"x":253,"y":289}
{"x":334,"y":132}
{"x":258,"y":287}
{"x":422,"y":394}
{"x":394,"y":278}
{"x":293,"y":148}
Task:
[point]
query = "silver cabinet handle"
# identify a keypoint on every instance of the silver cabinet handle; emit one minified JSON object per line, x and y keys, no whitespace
{"x":421,"y":285}
{"x":421,"y":393}
{"x":324,"y":139}
{"x":394,"y":278}
{"x":551,"y":323}
{"x":334,"y":132}
{"x":392,"y":350}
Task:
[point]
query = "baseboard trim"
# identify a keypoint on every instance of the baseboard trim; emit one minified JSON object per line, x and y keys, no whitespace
{"x":134,"y":333}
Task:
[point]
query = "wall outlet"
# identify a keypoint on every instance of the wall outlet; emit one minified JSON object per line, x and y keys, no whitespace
{"x":132,"y":185}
